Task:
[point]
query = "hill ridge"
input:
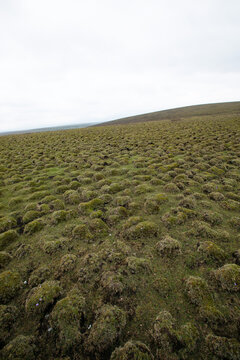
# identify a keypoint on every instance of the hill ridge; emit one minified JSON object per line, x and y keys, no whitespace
{"x":232,"y":108}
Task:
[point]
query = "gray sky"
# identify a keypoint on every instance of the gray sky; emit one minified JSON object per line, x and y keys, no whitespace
{"x":77,"y":61}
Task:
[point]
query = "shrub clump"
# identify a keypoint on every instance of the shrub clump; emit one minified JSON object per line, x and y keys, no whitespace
{"x":197,"y":290}
{"x":7,"y":238}
{"x":168,"y":247}
{"x":42,"y":296}
{"x":228,"y":276}
{"x":33,"y":226}
{"x":67,"y":317}
{"x":108,"y":326}
{"x":132,"y":350}
{"x":20,"y":348}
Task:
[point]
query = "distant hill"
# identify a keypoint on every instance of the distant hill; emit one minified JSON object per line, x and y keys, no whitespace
{"x":226,"y":108}
{"x":52,"y":128}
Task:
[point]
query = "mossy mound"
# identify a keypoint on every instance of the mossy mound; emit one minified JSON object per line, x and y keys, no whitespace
{"x":171,"y":188}
{"x":112,"y":285}
{"x":223,"y":347}
{"x":143,"y":189}
{"x":81,"y":232}
{"x":211,"y":315}
{"x":42,"y":296}
{"x":33,"y":226}
{"x":132,"y":350}
{"x":30,"y":216}
{"x":197,"y":290}
{"x":212,"y":218}
{"x":228,"y":276}
{"x":122,"y":200}
{"x":5,"y":258}
{"x":98,"y":227}
{"x":39,"y":275}
{"x":236,"y":255}
{"x":163,"y":334}
{"x":187,"y":336}
{"x":67,"y":263}
{"x":7,"y":238}
{"x":153,"y":204}
{"x":10,"y":283}
{"x":59,"y":216}
{"x":168,"y":247}
{"x":7,"y":223}
{"x":188,"y":202}
{"x":22,"y":250}
{"x":216,"y":196}
{"x":138,"y":265}
{"x":20,"y":348}
{"x":86,"y":208}
{"x":57,"y":204}
{"x":202,"y":229}
{"x":8,"y":315}
{"x":66,"y":318}
{"x":210,"y":187}
{"x":106,"y":330}
{"x":50,"y":246}
{"x":230,"y":205}
{"x":235,"y":222}
{"x":142,"y":230}
{"x":71,"y":197}
{"x":211,"y":251}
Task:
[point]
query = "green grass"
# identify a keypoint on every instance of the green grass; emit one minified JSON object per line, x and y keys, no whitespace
{"x":112,"y":228}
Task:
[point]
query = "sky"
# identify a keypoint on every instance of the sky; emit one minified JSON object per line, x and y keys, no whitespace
{"x":78,"y":61}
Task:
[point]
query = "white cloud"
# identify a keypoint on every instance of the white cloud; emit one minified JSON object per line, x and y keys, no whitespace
{"x":64,"y":62}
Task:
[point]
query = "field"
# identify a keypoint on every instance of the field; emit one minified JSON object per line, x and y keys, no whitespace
{"x":122,"y":242}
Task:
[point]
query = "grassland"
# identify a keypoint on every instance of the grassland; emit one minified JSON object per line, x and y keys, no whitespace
{"x":122,"y":242}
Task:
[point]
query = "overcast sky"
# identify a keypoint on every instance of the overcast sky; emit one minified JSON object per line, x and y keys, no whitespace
{"x":78,"y":61}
